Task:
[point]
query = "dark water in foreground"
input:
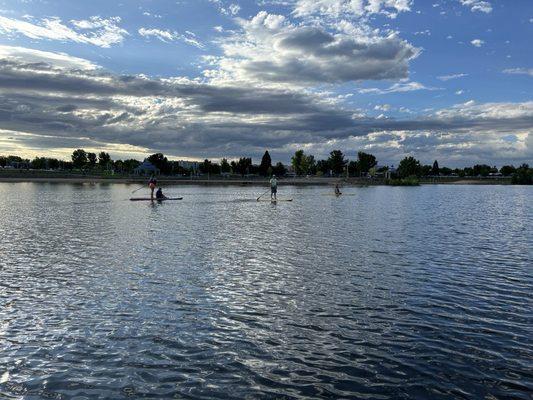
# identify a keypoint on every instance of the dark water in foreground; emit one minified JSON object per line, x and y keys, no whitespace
{"x":422,"y":293}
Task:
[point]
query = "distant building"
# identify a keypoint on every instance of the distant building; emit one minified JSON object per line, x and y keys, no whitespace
{"x":146,"y":168}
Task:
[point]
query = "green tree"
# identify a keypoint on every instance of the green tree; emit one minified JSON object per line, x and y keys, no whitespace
{"x":243,"y":166}
{"x":79,"y":158}
{"x":322,"y":166}
{"x":481,"y":170}
{"x":365,"y":162}
{"x":224,"y":166}
{"x":161,"y":163}
{"x":91,"y":158}
{"x":297,"y":160}
{"x":266,"y":163}
{"x":523,"y":175}
{"x":507,"y":170}
{"x":337,"y":162}
{"x":409,"y":166}
{"x":435,"y":170}
{"x":279,"y":169}
{"x":104,"y":159}
{"x":308,"y":164}
{"x":130,"y":165}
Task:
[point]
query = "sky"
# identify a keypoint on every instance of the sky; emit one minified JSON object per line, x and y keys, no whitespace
{"x":447,"y":80}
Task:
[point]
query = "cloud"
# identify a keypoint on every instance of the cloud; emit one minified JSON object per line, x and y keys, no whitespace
{"x":450,"y":77}
{"x":61,"y":60}
{"x":398,"y":88}
{"x":519,"y":71}
{"x":270,"y":50}
{"x":47,"y":106}
{"x":477,"y":42}
{"x":97,"y":31}
{"x":478,"y":5}
{"x":351,"y":8}
{"x":171,"y":36}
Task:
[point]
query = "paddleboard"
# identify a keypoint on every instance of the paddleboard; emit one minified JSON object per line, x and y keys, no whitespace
{"x":274,"y":201}
{"x":149,"y":199}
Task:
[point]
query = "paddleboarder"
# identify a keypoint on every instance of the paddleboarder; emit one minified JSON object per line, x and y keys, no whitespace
{"x":273,"y":188}
{"x":152,"y":183}
{"x":159,"y":194}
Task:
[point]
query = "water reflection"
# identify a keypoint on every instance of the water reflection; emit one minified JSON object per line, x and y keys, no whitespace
{"x":389,"y":292}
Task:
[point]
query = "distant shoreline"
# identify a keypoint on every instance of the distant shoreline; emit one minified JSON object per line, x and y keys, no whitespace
{"x":313,"y":181}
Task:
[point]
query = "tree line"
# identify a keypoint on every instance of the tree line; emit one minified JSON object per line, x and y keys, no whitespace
{"x":302,"y":164}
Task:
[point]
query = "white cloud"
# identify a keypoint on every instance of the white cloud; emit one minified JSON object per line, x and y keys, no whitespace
{"x":477,"y":42}
{"x":400,"y":87}
{"x":450,"y":77}
{"x":234,"y":9}
{"x":59,"y":60}
{"x":270,"y":50}
{"x":519,"y":71}
{"x":353,"y":8}
{"x":97,"y":31}
{"x":171,"y":36}
{"x":382,"y":107}
{"x":478,"y":5}
{"x":459,"y":92}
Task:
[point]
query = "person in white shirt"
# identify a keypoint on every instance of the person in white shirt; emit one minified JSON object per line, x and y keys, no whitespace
{"x":273,"y":188}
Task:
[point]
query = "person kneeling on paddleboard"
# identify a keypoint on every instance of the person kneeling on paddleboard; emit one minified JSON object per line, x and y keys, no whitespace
{"x":159,"y":194}
{"x":152,"y":183}
{"x":273,"y":188}
{"x":337,"y":190}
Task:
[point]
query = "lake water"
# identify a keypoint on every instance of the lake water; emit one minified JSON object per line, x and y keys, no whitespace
{"x":407,"y":292}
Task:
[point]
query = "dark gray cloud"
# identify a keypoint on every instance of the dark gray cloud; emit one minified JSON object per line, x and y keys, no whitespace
{"x":61,"y":107}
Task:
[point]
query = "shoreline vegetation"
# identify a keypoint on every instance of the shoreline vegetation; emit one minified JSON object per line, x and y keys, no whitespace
{"x":303,"y":170}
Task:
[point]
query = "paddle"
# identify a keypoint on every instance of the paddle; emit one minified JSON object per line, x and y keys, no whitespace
{"x":136,"y":190}
{"x":263,"y":194}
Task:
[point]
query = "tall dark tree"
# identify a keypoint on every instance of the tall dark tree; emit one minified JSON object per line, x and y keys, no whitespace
{"x":243,"y":166}
{"x":79,"y":158}
{"x":308,"y":164}
{"x":481,"y":170}
{"x":365,"y":162}
{"x":91,"y":158}
{"x":507,"y":170}
{"x":224,"y":166}
{"x":104,"y":159}
{"x":161,"y":163}
{"x":337,"y":162}
{"x":297,"y":161}
{"x":266,"y":164}
{"x":435,"y":170}
{"x":409,"y":166}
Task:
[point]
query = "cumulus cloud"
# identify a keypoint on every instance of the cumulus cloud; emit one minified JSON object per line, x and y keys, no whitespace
{"x":478,"y":5}
{"x":171,"y":36}
{"x":519,"y":71}
{"x":101,"y":32}
{"x":354,"y":8}
{"x":477,"y":42}
{"x":270,"y":49}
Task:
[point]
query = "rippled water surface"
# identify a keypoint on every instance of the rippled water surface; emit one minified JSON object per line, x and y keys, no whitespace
{"x":422,"y":293}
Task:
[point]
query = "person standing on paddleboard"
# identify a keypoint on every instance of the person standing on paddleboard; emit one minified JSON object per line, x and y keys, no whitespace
{"x":152,"y":183}
{"x":273,"y":188}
